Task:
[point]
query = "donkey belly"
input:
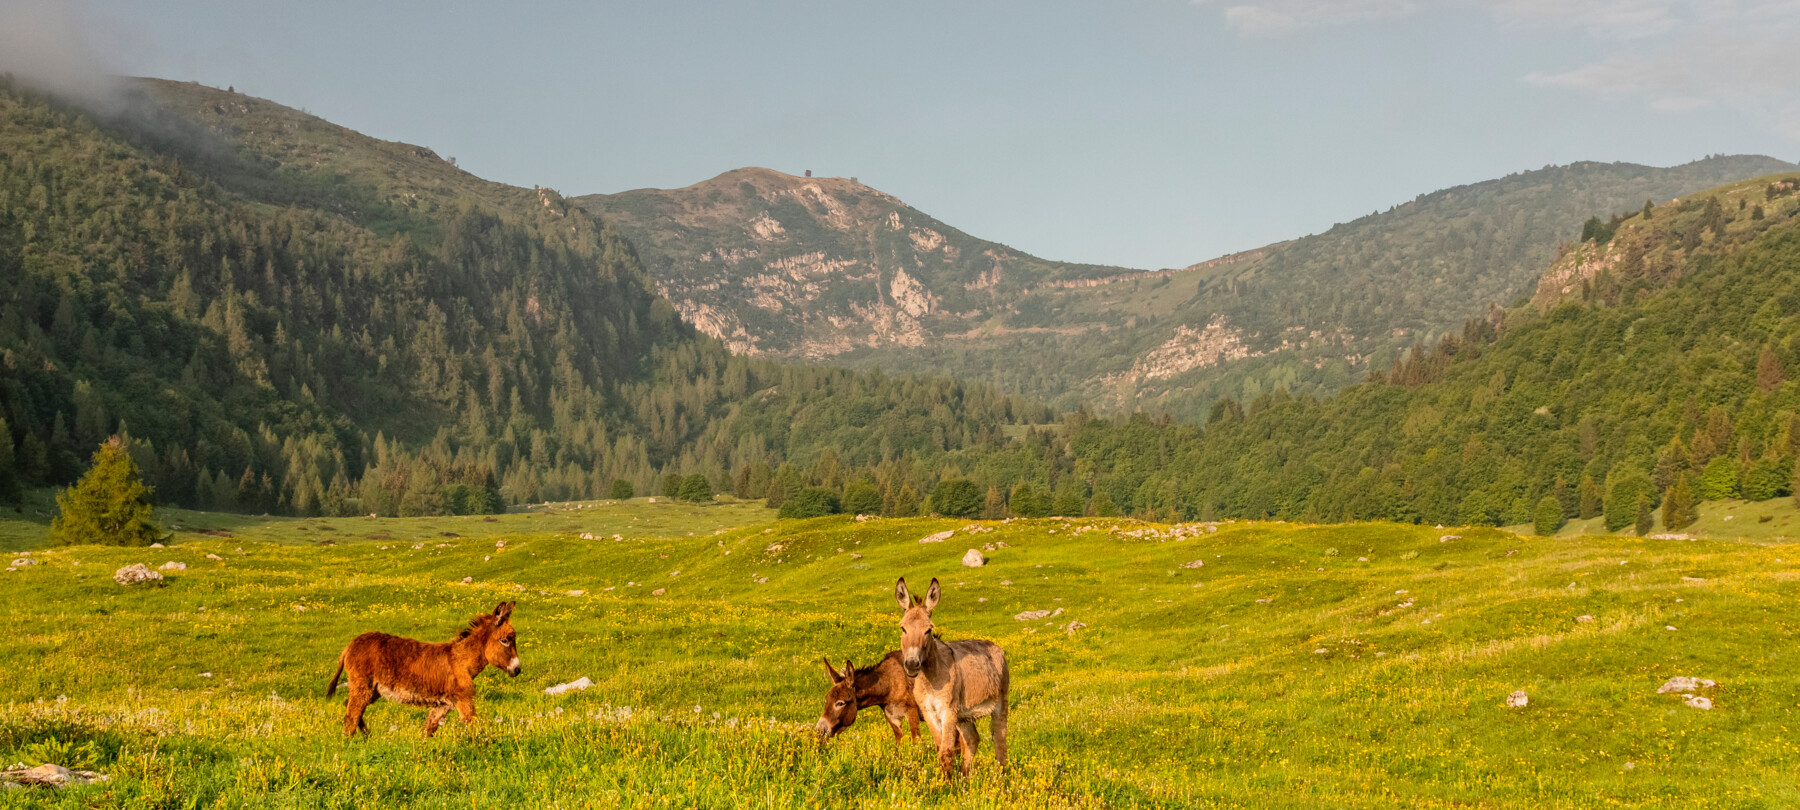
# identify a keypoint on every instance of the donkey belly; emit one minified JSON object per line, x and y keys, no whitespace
{"x":978,"y":710}
{"x":400,"y":694}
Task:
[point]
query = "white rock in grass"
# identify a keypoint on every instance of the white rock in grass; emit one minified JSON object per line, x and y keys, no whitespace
{"x":572,"y":686}
{"x":939,"y":537}
{"x":1518,"y":699}
{"x":1683,"y":683}
{"x":973,"y":558}
{"x":1031,"y":615}
{"x":1194,"y":564}
{"x":1448,"y":537}
{"x":1584,"y":619}
{"x":578,"y":593}
{"x":212,"y":556}
{"x":659,"y":592}
{"x":172,"y":566}
{"x":156,"y":545}
{"x":135,"y":573}
{"x":24,"y":562}
{"x":1699,"y":702}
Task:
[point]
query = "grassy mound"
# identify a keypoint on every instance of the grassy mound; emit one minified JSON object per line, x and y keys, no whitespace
{"x":1299,"y":666}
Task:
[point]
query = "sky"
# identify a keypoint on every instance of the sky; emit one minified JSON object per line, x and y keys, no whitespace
{"x":1141,"y":133}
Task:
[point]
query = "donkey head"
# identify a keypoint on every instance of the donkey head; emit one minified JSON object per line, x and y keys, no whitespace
{"x":501,"y":647}
{"x":915,"y":626}
{"x":840,"y":702}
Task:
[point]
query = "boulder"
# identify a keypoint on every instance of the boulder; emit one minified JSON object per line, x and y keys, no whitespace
{"x":1518,"y":699}
{"x":659,"y":592}
{"x":1699,"y":702}
{"x":50,"y":775}
{"x":23,"y":562}
{"x":1073,"y":626}
{"x":939,"y":537}
{"x":572,"y":686}
{"x":973,"y":558}
{"x":136,"y":573}
{"x":1683,"y":683}
{"x":1194,"y":564}
{"x":172,"y":565}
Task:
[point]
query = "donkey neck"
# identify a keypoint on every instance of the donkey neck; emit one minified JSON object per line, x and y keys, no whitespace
{"x":875,"y":685}
{"x":466,"y":652}
{"x":938,"y":663}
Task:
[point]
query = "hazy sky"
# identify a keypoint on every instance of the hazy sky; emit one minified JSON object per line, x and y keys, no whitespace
{"x":1147,"y":133}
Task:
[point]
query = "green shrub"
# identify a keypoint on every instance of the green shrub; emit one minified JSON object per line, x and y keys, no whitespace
{"x":671,"y":485}
{"x":957,"y":497}
{"x":1719,"y":481}
{"x":622,"y":490}
{"x":696,"y":489}
{"x":1549,"y":517}
{"x":862,"y":499}
{"x":1622,"y":490}
{"x":811,"y":502}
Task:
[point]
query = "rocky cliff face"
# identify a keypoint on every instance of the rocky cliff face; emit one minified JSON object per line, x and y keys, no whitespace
{"x":814,"y":267}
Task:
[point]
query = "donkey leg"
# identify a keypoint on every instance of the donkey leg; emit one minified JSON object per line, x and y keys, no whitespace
{"x":465,"y":709}
{"x":360,"y":698}
{"x":1000,"y":734}
{"x":894,"y":723}
{"x":971,"y":741}
{"x":944,"y":733}
{"x":435,"y":717}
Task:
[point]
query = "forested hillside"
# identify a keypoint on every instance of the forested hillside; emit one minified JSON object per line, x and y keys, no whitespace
{"x":283,"y":315}
{"x":829,"y":269}
{"x":1668,"y":375}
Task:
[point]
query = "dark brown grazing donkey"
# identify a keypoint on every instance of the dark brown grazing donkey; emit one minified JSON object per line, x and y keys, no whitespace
{"x":417,"y":673}
{"x":955,"y":683}
{"x":884,"y":685}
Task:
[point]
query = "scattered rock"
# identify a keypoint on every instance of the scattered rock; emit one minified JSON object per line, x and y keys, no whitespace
{"x":862,"y":518}
{"x":659,"y":591}
{"x":135,"y":573}
{"x":1194,"y":564}
{"x":1320,"y":651}
{"x":1071,"y":627}
{"x":939,"y":537}
{"x":499,"y":544}
{"x":1698,"y":702}
{"x":1032,"y":615}
{"x":1585,"y":619}
{"x":50,"y":775}
{"x":572,"y":686}
{"x":1518,"y":699}
{"x":1683,"y":683}
{"x":212,"y":556}
{"x":1668,"y":536}
{"x":158,"y":545}
{"x":1006,"y":582}
{"x":1669,"y":627}
{"x":973,"y":558}
{"x":24,"y":562}
{"x":1693,"y":579}
{"x":578,"y":593}
{"x":1362,"y":559}
{"x":467,"y":580}
{"x":172,"y":566}
{"x":1448,"y":537}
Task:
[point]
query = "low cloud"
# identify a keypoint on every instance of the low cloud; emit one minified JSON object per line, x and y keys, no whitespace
{"x":50,"y":45}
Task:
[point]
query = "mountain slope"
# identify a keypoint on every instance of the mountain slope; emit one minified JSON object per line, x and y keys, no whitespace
{"x":286,"y":315}
{"x":814,"y":267}
{"x":826,"y":268}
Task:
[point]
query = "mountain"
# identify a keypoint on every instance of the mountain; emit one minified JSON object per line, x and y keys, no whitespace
{"x":1661,"y":350}
{"x":812,"y":268}
{"x":826,"y":268}
{"x":282,"y":314}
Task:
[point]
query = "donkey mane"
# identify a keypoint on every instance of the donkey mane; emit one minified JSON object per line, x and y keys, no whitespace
{"x":481,"y":622}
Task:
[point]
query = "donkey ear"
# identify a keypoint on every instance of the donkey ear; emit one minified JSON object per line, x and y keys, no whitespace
{"x":931,"y":595}
{"x":901,"y":595}
{"x":835,"y":676}
{"x":849,"y":668}
{"x":503,"y":611}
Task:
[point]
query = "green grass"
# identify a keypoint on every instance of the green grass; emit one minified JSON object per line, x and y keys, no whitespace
{"x":1774,"y":520}
{"x":1286,"y":672}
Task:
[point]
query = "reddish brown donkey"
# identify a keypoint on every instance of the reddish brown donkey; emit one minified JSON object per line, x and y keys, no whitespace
{"x":955,"y":683}
{"x":416,"y":673}
{"x":885,"y":684}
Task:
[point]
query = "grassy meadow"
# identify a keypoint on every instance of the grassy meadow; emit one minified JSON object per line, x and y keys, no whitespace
{"x":1300,"y":666}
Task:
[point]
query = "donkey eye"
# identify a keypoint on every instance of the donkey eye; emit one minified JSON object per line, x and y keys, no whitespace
{"x":840,"y":704}
{"x":506,"y":641}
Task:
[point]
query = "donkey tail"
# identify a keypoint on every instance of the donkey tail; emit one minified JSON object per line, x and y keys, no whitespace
{"x":331,"y":689}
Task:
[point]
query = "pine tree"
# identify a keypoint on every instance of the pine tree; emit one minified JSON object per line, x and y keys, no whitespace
{"x":1648,"y":207}
{"x":671,"y":485}
{"x":110,"y":505}
{"x":1645,"y":515}
{"x":622,"y":490}
{"x":995,"y":507}
{"x":10,"y":486}
{"x":1590,"y":498}
{"x":1678,"y":505}
{"x":906,"y":502}
{"x":1769,"y":370}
